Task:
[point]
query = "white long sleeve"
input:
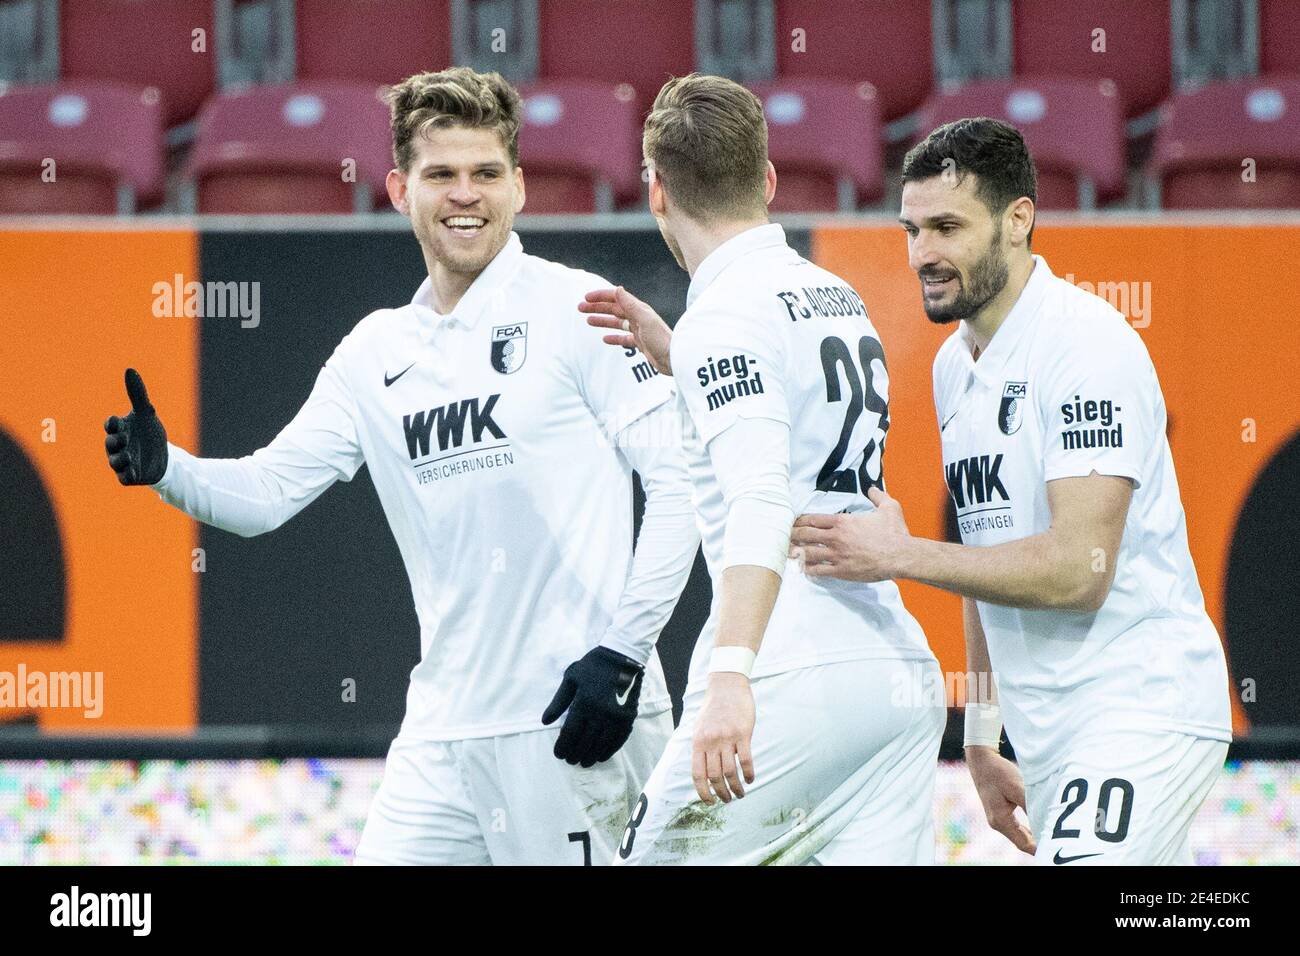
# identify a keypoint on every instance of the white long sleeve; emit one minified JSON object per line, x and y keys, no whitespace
{"x":669,"y":538}
{"x":261,"y":491}
{"x":751,"y":461}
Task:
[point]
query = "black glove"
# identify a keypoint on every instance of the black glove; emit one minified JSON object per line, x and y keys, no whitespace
{"x":603,"y":688}
{"x":136,"y":444}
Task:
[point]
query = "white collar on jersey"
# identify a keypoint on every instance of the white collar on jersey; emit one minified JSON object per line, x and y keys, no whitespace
{"x":769,"y":235}
{"x":485,"y":286}
{"x":1004,"y":340}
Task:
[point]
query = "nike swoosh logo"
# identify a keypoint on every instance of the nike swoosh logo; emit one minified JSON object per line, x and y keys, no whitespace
{"x":947,"y":420}
{"x":627,"y":692}
{"x":389,"y":381}
{"x":1058,"y":859}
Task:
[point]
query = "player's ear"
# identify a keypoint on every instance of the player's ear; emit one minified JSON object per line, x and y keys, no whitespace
{"x":395,"y":183}
{"x":658,"y":202}
{"x":1021,"y":215}
{"x":519,"y":189}
{"x":770,"y":189}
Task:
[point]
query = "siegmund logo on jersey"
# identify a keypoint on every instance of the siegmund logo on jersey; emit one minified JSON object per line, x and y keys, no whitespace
{"x":740,"y":367}
{"x":1102,"y":413}
{"x":1010,"y":412}
{"x":509,"y":347}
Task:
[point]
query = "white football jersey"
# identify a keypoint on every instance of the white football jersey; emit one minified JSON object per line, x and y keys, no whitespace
{"x":768,"y":334}
{"x":488,"y":435}
{"x":1066,"y":388}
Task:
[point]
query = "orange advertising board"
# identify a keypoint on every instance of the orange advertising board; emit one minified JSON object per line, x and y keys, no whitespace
{"x":76,"y":309}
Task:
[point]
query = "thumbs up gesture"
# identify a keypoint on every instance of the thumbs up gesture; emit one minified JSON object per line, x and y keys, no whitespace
{"x":137,"y":443}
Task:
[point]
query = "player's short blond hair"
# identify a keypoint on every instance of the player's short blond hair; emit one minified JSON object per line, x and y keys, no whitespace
{"x":706,"y":141}
{"x":455,"y":97}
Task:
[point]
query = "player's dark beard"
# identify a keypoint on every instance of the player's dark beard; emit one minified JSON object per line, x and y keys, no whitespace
{"x":988,"y":277}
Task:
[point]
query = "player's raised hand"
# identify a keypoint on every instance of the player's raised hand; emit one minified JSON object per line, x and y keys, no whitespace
{"x":600,"y":691}
{"x":636,"y":325}
{"x":136,"y":443}
{"x":723,"y":735}
{"x":1001,"y":789}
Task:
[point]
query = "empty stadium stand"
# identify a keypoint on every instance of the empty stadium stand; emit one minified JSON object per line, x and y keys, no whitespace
{"x":80,"y":147}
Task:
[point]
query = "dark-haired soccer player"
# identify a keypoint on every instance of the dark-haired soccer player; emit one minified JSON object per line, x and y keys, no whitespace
{"x":497,"y":435}
{"x":1079,"y":589}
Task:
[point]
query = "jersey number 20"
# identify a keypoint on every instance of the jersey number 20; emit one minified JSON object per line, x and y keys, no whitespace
{"x":862,"y":394}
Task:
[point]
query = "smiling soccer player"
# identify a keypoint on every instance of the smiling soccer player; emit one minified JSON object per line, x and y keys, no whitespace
{"x":494,"y":429}
{"x":1078,"y":584}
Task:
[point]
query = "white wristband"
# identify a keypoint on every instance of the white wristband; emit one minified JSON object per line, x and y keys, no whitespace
{"x":737,"y":659}
{"x":983,"y":725}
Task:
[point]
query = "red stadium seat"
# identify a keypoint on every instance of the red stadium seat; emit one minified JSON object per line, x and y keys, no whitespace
{"x":580,"y":146}
{"x":824,"y":140}
{"x":101,"y":136}
{"x":383,"y":41}
{"x":884,"y":42}
{"x":142,"y":42}
{"x":1206,"y":136}
{"x":1074,"y":130}
{"x":1051,"y":38}
{"x":617,"y":41}
{"x":1279,"y":37}
{"x":282,"y":149}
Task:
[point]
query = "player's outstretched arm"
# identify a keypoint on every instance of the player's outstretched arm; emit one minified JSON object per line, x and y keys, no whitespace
{"x":998,"y":781}
{"x":249,"y":495}
{"x":136,"y":442}
{"x":635,"y":324}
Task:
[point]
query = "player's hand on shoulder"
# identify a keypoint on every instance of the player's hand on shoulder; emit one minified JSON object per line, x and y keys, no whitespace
{"x":137,"y":442}
{"x":1001,"y":789}
{"x":600,"y":691}
{"x":723,"y":735}
{"x":635,"y":324}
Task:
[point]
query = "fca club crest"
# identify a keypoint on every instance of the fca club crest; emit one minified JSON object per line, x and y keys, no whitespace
{"x":509,"y":347}
{"x":1011,"y":411}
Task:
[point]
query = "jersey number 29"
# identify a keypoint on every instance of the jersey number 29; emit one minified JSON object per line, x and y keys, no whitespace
{"x":865,"y":391}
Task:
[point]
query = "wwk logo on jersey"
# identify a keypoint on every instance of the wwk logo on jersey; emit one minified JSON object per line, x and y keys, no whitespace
{"x":974,"y":480}
{"x":974,"y":484}
{"x":509,"y":347}
{"x":448,"y":423}
{"x":1010,"y":412}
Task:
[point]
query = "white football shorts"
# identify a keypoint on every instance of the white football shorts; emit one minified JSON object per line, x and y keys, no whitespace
{"x":1124,"y":798}
{"x":845,"y":759}
{"x":506,"y":800}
